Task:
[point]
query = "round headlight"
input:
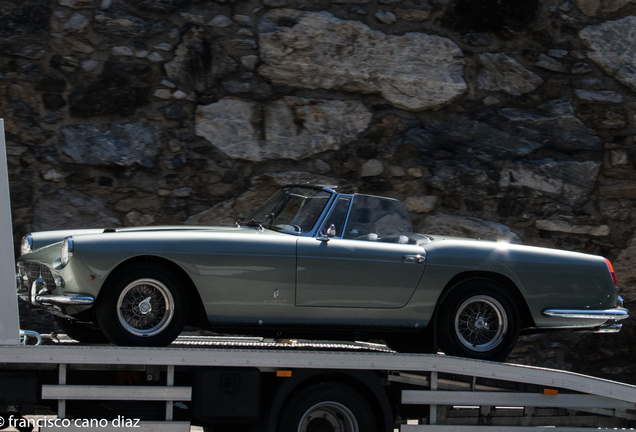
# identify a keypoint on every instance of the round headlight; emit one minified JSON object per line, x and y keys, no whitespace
{"x":67,"y":250}
{"x":27,"y":244}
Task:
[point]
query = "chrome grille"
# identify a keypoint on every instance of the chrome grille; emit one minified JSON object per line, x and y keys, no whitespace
{"x":35,"y":271}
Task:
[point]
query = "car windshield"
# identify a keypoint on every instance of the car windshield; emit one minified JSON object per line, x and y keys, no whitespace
{"x":295,"y":209}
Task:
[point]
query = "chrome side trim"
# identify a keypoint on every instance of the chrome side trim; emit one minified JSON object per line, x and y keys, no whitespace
{"x":65,"y":300}
{"x":617,"y":313}
{"x":608,"y":328}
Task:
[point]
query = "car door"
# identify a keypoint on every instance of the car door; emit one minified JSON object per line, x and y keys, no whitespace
{"x":356,"y":273}
{"x":341,"y":272}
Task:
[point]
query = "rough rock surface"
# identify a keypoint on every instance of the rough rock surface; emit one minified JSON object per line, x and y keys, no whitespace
{"x":330,"y":94}
{"x":570,"y":181}
{"x":613,"y":47}
{"x":121,"y":144}
{"x":502,"y":73}
{"x":415,"y":71}
{"x":73,"y":209}
{"x":567,"y":227}
{"x":294,"y":127}
{"x":468,"y":227}
{"x":511,"y":133}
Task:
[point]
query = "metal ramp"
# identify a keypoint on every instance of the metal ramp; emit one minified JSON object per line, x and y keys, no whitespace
{"x":463,"y":394}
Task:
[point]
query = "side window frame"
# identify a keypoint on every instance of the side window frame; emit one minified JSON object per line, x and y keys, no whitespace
{"x":332,"y":209}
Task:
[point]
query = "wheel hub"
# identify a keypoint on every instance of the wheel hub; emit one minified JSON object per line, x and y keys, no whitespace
{"x":328,"y":417}
{"x":480,"y":323}
{"x":145,"y":307}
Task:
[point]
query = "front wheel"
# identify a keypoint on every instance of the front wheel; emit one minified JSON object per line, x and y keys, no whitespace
{"x":146,"y":305}
{"x":480,"y":320}
{"x":328,"y":407}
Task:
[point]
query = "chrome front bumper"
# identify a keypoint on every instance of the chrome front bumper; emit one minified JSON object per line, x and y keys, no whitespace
{"x":38,"y":295}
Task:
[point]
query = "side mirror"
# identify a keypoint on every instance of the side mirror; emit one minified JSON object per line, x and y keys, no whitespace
{"x":331,"y":231}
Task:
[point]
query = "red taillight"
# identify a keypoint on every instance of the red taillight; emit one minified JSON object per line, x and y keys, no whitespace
{"x":611,"y":270}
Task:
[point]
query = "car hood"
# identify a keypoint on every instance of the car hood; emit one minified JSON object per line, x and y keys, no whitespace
{"x":46,"y":238}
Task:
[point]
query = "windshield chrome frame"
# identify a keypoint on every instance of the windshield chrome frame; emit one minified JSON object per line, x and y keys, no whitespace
{"x":323,"y":215}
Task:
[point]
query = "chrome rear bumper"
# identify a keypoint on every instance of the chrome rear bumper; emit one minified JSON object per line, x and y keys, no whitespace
{"x":617,"y":313}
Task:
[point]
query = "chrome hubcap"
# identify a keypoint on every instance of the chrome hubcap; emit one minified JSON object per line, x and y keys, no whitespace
{"x":481,"y":323}
{"x":145,"y":307}
{"x":328,"y":417}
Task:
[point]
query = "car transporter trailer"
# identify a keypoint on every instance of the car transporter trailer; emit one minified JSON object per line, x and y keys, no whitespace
{"x":228,"y":382}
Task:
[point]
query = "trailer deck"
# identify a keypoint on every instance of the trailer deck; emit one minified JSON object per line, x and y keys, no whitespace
{"x":464,"y":394}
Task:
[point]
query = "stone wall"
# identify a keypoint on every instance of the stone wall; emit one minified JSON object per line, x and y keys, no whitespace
{"x":489,"y":118}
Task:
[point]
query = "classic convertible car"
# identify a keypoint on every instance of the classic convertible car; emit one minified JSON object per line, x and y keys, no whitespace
{"x":312,"y":262}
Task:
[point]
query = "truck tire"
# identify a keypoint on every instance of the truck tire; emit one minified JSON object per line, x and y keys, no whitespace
{"x":81,"y":332}
{"x":479,"y":320}
{"x":144,"y":305}
{"x":328,"y":407}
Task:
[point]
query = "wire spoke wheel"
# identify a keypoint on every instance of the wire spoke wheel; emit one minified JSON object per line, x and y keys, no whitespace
{"x":328,"y":417}
{"x":481,"y":323}
{"x":145,"y":307}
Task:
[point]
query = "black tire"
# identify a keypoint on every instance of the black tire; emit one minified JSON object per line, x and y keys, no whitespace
{"x":478,"y":319}
{"x":330,"y":404}
{"x":82,"y":332}
{"x":143,"y":305}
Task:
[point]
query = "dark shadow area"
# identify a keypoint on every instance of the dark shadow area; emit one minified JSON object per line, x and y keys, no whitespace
{"x":498,"y":16}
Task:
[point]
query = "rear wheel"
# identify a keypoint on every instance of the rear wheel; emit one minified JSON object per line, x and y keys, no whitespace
{"x":327,"y":407}
{"x":82,"y":332}
{"x":478,"y":319}
{"x":145,"y":305}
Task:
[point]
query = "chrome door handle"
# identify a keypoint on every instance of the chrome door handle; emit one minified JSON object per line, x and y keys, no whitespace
{"x":414,"y":258}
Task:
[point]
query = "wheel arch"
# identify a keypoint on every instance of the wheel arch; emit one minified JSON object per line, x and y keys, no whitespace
{"x":502,"y":280}
{"x":367,"y":383}
{"x":197,"y":316}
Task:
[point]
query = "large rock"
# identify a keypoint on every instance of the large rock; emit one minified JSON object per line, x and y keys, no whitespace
{"x":198,"y":62}
{"x":293,"y":128}
{"x":568,"y":182}
{"x":121,"y":144}
{"x":415,"y":71}
{"x":513,"y":133}
{"x":593,"y":7}
{"x":613,"y":47}
{"x":625,"y":269}
{"x":469,"y":227}
{"x":73,"y":209}
{"x":119,"y":21}
{"x":502,"y":73}
{"x":553,"y":124}
{"x":570,"y":228}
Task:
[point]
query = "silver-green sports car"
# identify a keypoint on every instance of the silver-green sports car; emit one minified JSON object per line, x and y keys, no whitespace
{"x":312,"y":262}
